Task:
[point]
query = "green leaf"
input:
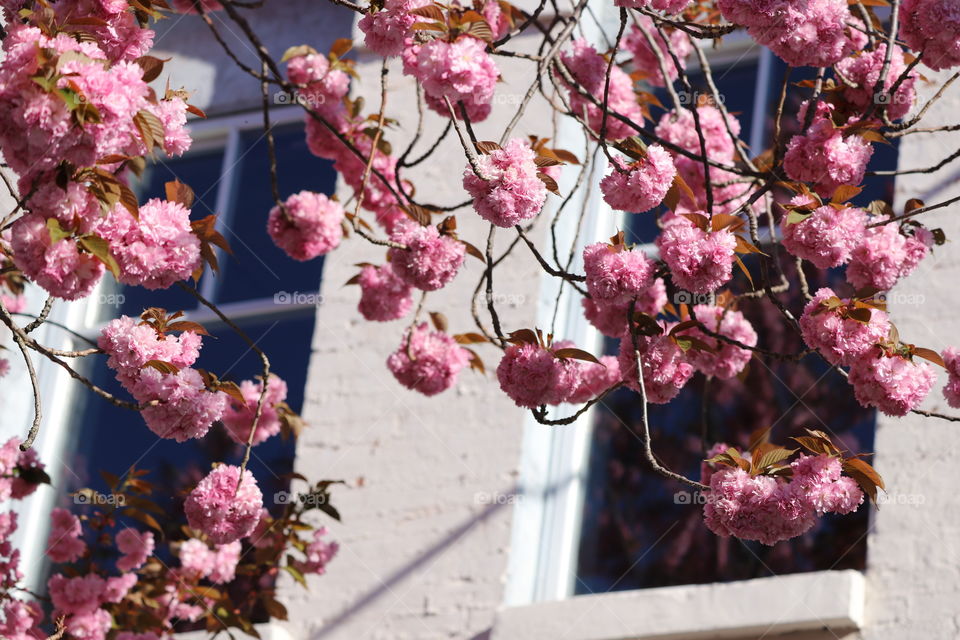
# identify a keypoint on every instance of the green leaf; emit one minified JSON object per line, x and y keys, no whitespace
{"x":100,"y":249}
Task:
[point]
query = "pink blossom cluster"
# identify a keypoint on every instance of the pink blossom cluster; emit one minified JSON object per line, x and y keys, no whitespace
{"x":641,"y":185}
{"x":615,"y":274}
{"x":308,"y":225}
{"x":664,"y":366}
{"x":86,"y":110}
{"x":155,"y":251}
{"x":427,"y":361}
{"x":933,"y":28}
{"x":680,"y":128}
{"x":19,"y":470}
{"x":595,"y":379}
{"x":666,"y":40}
{"x":724,"y":360}
{"x":383,"y":294}
{"x":238,"y":418}
{"x":589,"y":69}
{"x":827,"y":236}
{"x":610,"y":319}
{"x":460,"y":71}
{"x":136,"y":547}
{"x":892,"y":383}
{"x":21,"y":620}
{"x":863,"y":70}
{"x":810,"y":33}
{"x":219,"y":565}
{"x":430,"y":260}
{"x":770,"y":509}
{"x":531,"y":375}
{"x":65,"y":542}
{"x":951,"y":391}
{"x":840,"y":339}
{"x":387,"y":29}
{"x":886,"y":255}
{"x":80,"y":600}
{"x":825,"y":156}
{"x":699,"y":261}
{"x":508,"y":190}
{"x":179,"y":404}
{"x":319,"y":552}
{"x":225,"y":505}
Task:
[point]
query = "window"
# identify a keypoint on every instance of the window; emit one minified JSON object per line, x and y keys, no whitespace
{"x":593,"y":519}
{"x":227,"y":170}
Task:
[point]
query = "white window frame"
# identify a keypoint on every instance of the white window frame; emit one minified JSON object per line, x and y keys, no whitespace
{"x":60,"y":395}
{"x":539,"y":600}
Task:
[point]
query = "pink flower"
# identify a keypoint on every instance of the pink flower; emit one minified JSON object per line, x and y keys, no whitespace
{"x":679,"y":128}
{"x":322,"y":88}
{"x":951,"y":391}
{"x":76,"y":596}
{"x":458,"y":71}
{"x":863,"y":70}
{"x":91,"y":625}
{"x":196,"y":558}
{"x":840,"y":339}
{"x":4,"y":367}
{"x":238,"y":419}
{"x":310,"y":227}
{"x":818,"y":479}
{"x":610,"y":319}
{"x":59,"y":267}
{"x":532,"y":375}
{"x":136,"y":547}
{"x":318,"y":553}
{"x":220,"y":509}
{"x":183,"y":408}
{"x":644,"y":57}
{"x":725,"y":360}
{"x":427,"y":361}
{"x":932,"y":27}
{"x":893,"y":384}
{"x":616,"y":274}
{"x":589,"y":69}
{"x":642,"y":185}
{"x":64,"y":543}
{"x":827,"y":236}
{"x":155,"y":251}
{"x":594,"y":379}
{"x":225,"y":560}
{"x":811,"y":33}
{"x":430,"y":260}
{"x":383,"y":295}
{"x":699,"y":261}
{"x":664,"y":366}
{"x":172,"y":113}
{"x":117,"y":587}
{"x":386,"y":29}
{"x":884,"y":256}
{"x":825,"y":157}
{"x":131,"y":344}
{"x":510,"y":191}
{"x":21,"y":620}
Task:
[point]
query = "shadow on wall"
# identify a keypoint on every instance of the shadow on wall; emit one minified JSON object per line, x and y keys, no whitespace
{"x":424,"y":559}
{"x":216,"y":84}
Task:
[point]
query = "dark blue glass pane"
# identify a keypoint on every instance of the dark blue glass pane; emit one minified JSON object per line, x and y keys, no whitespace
{"x":201,"y":171}
{"x":258,"y":268}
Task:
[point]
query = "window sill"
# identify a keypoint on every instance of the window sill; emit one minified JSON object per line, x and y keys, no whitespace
{"x":781,"y":604}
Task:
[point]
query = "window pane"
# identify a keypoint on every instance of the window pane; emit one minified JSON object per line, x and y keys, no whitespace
{"x":258,"y":268}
